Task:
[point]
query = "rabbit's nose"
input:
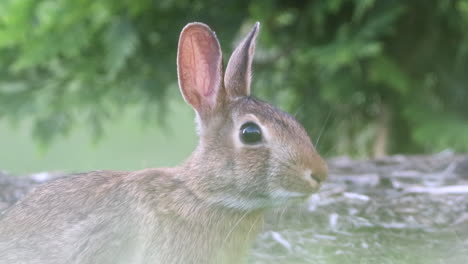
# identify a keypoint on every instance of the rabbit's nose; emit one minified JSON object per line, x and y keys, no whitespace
{"x":318,"y":169}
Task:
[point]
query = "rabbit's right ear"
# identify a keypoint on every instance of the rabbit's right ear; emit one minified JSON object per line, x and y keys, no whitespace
{"x":199,"y":67}
{"x":239,"y":68}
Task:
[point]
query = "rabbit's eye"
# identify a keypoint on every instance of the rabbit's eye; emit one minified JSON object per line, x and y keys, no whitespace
{"x":250,"y":133}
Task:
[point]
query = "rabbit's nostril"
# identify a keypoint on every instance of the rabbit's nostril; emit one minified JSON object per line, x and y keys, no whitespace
{"x":316,"y":177}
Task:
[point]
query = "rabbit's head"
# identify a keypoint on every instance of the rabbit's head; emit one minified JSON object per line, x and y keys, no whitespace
{"x":251,"y":155}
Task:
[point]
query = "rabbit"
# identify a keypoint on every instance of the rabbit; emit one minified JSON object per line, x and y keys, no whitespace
{"x":251,"y":157}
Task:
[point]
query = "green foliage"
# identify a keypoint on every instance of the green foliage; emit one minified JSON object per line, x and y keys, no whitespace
{"x":338,"y":64}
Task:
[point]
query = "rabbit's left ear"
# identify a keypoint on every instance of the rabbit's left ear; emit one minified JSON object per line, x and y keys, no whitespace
{"x":199,"y":68}
{"x":239,"y":68}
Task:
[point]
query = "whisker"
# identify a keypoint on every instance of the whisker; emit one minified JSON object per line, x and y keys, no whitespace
{"x":251,"y":227}
{"x":285,"y":207}
{"x":323,"y":128}
{"x":263,"y":224}
{"x":275,"y":212}
{"x":234,"y":227}
{"x":301,"y":208}
{"x":298,"y":110}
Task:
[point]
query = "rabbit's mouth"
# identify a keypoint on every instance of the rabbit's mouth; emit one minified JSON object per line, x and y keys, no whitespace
{"x":274,"y":198}
{"x":285,"y":194}
{"x":282,"y":196}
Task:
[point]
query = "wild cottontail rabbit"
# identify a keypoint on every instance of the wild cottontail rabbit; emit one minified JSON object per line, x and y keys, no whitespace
{"x":251,"y":156}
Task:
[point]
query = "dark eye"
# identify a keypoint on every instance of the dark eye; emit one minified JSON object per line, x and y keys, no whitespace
{"x":250,"y":133}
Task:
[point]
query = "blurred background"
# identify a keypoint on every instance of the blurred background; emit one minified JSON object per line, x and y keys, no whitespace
{"x":90,"y":84}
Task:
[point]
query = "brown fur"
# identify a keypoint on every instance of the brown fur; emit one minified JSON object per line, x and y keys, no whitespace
{"x":208,"y":210}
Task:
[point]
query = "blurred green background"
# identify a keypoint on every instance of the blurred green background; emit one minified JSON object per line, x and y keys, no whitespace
{"x":90,"y":84}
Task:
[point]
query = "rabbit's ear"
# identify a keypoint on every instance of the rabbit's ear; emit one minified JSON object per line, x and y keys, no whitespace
{"x":199,"y":67}
{"x":239,"y":68}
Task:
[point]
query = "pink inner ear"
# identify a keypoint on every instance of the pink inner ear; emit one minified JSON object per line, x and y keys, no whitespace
{"x":202,"y":46}
{"x":199,"y":66}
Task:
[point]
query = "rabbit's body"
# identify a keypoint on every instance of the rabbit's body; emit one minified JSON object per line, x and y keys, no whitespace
{"x":251,"y":156}
{"x":147,"y":216}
